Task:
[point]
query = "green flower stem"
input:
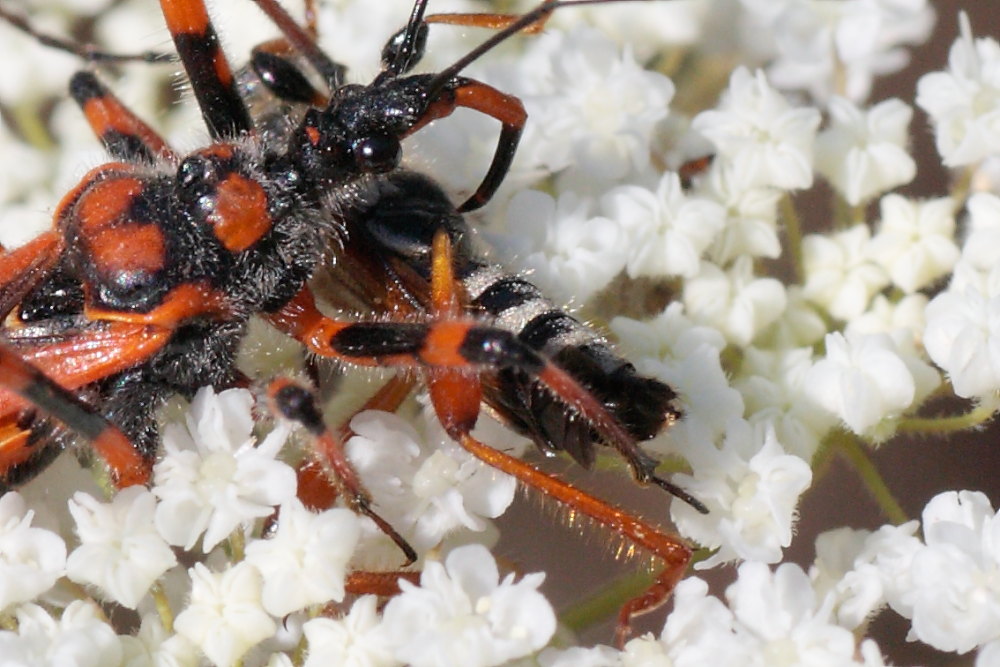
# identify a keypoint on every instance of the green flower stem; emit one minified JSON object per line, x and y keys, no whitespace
{"x":237,"y":544}
{"x":962,"y":184}
{"x":793,"y":232}
{"x":606,"y":602}
{"x":163,"y":607}
{"x":943,"y":425}
{"x":856,"y":454}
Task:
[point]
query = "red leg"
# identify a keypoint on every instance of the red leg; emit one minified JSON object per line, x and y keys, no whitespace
{"x":295,"y":402}
{"x":471,"y":94}
{"x":456,"y":398}
{"x":124,"y":135}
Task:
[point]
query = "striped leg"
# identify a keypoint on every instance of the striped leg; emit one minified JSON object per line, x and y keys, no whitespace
{"x":124,"y":135}
{"x":43,"y":376}
{"x":207,"y":68}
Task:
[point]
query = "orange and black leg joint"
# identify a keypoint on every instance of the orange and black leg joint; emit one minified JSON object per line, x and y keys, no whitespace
{"x":316,"y":490}
{"x":211,"y":77}
{"x":127,"y":465}
{"x":296,"y":403}
{"x":123,"y":134}
{"x":478,"y":96}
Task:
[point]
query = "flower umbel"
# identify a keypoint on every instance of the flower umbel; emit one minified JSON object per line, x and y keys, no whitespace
{"x":727,"y":185}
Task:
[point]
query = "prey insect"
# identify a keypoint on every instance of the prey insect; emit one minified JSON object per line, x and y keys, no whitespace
{"x":156,"y":262}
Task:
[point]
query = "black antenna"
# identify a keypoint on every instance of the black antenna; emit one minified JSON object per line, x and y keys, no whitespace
{"x":406,"y":42}
{"x":87,"y":52}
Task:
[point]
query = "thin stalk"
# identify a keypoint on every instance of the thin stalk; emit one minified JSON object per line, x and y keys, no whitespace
{"x":606,"y":602}
{"x":978,"y":416}
{"x":163,"y":607}
{"x":793,"y":232}
{"x":856,"y":454}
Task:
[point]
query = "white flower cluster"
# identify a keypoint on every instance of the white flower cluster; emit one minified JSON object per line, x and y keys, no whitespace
{"x":793,"y":328}
{"x":213,"y":488}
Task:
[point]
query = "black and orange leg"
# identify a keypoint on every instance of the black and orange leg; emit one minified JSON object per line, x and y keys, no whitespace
{"x":44,"y":376}
{"x":471,"y":94}
{"x":296,"y":403}
{"x":211,"y":76}
{"x":456,"y":399}
{"x":124,"y":135}
{"x":450,"y":344}
{"x":316,"y":489}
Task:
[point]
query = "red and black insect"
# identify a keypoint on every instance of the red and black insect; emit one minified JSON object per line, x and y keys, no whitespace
{"x":156,"y":263}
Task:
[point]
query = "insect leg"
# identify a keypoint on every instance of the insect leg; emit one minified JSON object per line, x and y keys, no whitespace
{"x":124,"y":135}
{"x":207,"y":68}
{"x":456,"y":398}
{"x":87,"y":52}
{"x":486,"y":99}
{"x":295,"y":402}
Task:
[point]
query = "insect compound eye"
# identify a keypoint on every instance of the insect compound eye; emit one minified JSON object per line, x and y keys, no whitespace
{"x":377,"y":154}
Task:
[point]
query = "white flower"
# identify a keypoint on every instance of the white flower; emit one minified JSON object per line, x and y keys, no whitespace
{"x":597,"y":106}
{"x":646,"y":27}
{"x":120,"y":551}
{"x":356,"y":640}
{"x":863,"y":153}
{"x":954,"y":594}
{"x":581,"y":656}
{"x":981,"y":248}
{"x":153,"y":646}
{"x":751,"y":487}
{"x":915,"y":241}
{"x":213,"y":475}
{"x":903,"y":320}
{"x":863,"y":380}
{"x":570,"y":253}
{"x":31,"y":559}
{"x":225,"y":617}
{"x":304,"y":562}
{"x":669,"y":335}
{"x":964,"y":102}
{"x":751,"y":225}
{"x":79,"y":637}
{"x":963,"y":337}
{"x":840,"y":274}
{"x":773,"y":388}
{"x":840,"y":47}
{"x":734,"y":301}
{"x":425,"y":490}
{"x":862,"y":571}
{"x":686,"y":356}
{"x":462,"y":613}
{"x":800,"y":324}
{"x":783,"y":612}
{"x":666,"y":231}
{"x":760,"y":133}
{"x":773,"y":619}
